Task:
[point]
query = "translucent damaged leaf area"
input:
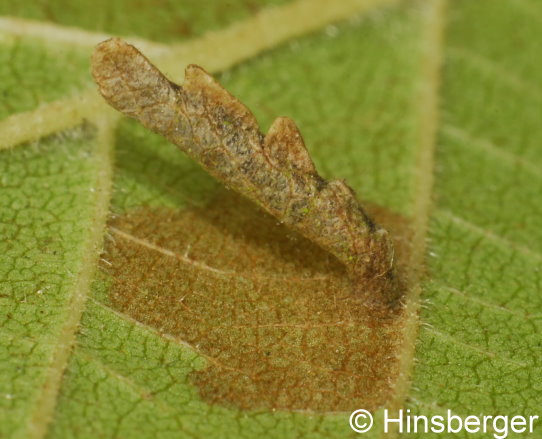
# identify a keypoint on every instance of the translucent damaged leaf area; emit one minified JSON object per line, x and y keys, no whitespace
{"x":275,"y":171}
{"x":271,"y":312}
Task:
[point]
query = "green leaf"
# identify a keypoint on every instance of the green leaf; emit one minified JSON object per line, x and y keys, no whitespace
{"x":430,"y":109}
{"x":480,"y":344}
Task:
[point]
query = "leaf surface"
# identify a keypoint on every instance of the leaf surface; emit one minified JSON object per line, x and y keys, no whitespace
{"x":452,"y":151}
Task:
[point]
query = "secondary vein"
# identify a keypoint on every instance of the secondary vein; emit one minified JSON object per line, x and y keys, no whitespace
{"x":433,"y":20}
{"x":43,"y":410}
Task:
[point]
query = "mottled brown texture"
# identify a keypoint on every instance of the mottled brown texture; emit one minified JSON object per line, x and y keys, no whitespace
{"x":274,"y":171}
{"x":271,"y":311}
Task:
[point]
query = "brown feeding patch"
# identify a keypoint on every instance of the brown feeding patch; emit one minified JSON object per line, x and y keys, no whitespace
{"x":274,"y":314}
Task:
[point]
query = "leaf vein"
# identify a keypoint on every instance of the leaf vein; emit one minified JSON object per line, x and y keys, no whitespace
{"x":447,"y":338}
